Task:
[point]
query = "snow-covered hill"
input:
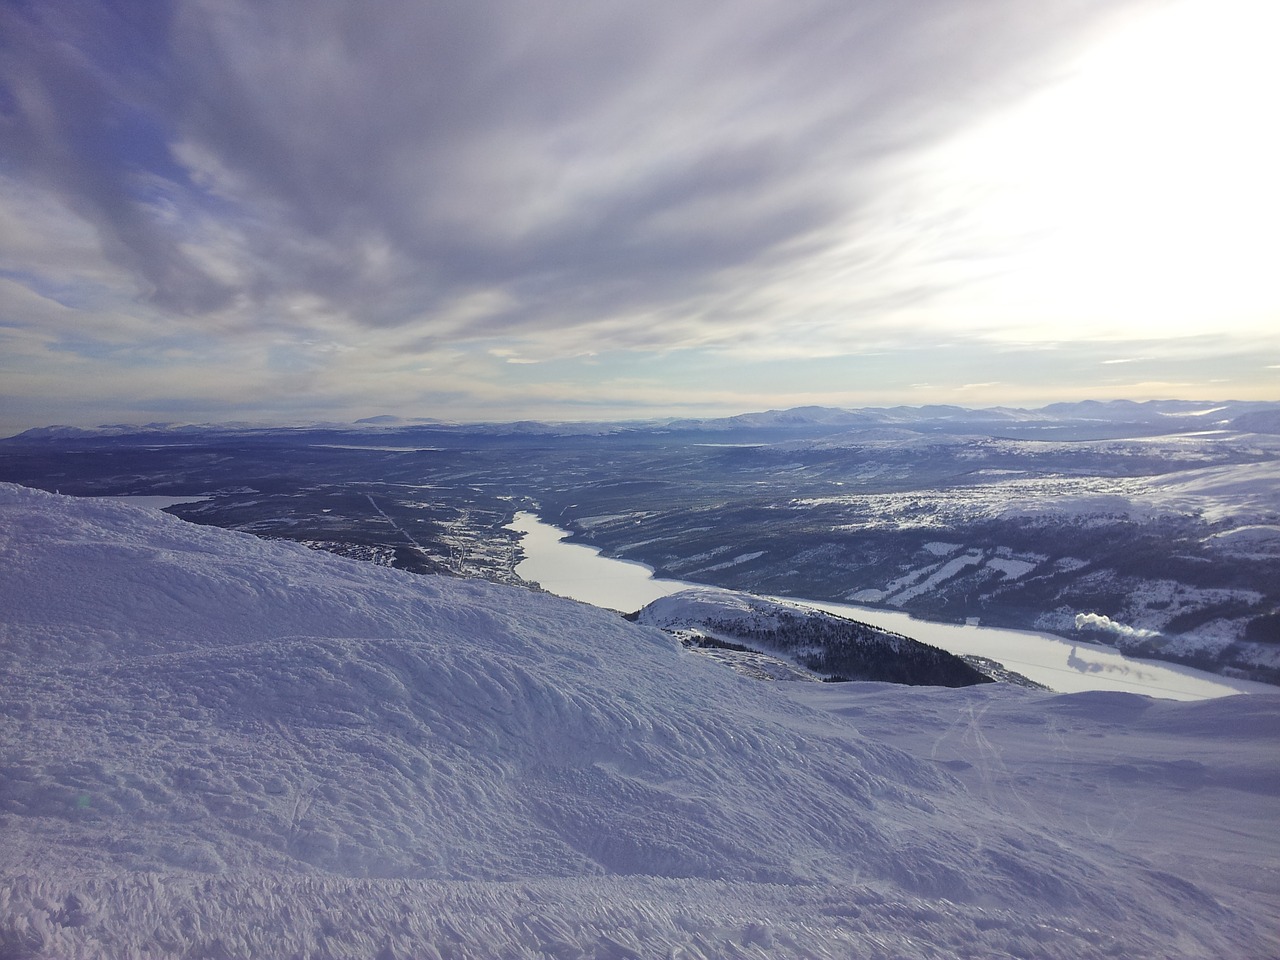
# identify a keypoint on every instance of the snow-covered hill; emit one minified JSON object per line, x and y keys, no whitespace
{"x":216,"y":746}
{"x":834,"y":647}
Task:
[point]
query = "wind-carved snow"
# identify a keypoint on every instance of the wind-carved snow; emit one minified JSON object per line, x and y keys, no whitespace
{"x":223,"y":747}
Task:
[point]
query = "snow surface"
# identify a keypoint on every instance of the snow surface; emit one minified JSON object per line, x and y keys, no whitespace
{"x":1235,"y":494}
{"x":1011,"y":567}
{"x":1225,"y":492}
{"x":216,"y":746}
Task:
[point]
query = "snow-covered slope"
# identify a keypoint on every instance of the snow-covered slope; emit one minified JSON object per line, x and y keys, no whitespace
{"x":217,"y":746}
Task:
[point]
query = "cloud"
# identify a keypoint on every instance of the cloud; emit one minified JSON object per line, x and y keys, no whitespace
{"x":399,"y":180}
{"x":76,"y":129}
{"x":574,"y":160}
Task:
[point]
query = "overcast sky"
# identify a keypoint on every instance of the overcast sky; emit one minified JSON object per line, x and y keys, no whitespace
{"x":282,"y":210}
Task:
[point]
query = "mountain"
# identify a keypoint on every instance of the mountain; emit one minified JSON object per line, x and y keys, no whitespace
{"x":768,"y":419}
{"x":219,"y":746}
{"x":1086,"y":419}
{"x":1258,"y":421}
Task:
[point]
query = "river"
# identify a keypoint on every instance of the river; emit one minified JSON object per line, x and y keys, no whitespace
{"x":581,"y":573}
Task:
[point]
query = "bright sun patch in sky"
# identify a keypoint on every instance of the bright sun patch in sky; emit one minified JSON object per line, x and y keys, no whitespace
{"x":1139,"y":197}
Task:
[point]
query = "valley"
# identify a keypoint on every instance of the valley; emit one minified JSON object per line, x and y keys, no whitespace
{"x":1151,"y":527}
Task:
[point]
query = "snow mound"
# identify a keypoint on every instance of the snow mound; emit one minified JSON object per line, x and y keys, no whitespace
{"x":219,"y":746}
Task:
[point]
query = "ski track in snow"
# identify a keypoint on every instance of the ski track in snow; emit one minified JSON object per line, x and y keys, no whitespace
{"x":218,"y":746}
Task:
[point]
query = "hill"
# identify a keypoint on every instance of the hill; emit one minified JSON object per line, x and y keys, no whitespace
{"x":834,"y":647}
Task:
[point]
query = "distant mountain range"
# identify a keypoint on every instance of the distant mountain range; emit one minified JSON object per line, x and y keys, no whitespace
{"x":1178,"y":415}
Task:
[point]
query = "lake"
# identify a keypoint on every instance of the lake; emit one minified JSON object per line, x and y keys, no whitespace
{"x":581,"y":573}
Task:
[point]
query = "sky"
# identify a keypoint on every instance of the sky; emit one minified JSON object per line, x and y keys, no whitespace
{"x":278,"y":211}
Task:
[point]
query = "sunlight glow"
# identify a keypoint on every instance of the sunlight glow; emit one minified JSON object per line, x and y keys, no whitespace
{"x":1138,"y":197}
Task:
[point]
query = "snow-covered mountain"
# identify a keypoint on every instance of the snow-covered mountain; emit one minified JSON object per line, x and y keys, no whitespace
{"x":931,"y":418}
{"x":218,"y":746}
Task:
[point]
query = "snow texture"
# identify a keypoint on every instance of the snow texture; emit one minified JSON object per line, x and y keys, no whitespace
{"x":216,"y":746}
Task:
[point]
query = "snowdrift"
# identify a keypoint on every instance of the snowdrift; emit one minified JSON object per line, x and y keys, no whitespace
{"x":223,"y":747}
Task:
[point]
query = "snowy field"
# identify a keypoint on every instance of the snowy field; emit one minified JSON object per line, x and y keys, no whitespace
{"x":215,"y":746}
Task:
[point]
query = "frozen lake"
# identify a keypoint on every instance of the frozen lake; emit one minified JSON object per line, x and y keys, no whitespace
{"x":577,"y":571}
{"x":580,"y":572}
